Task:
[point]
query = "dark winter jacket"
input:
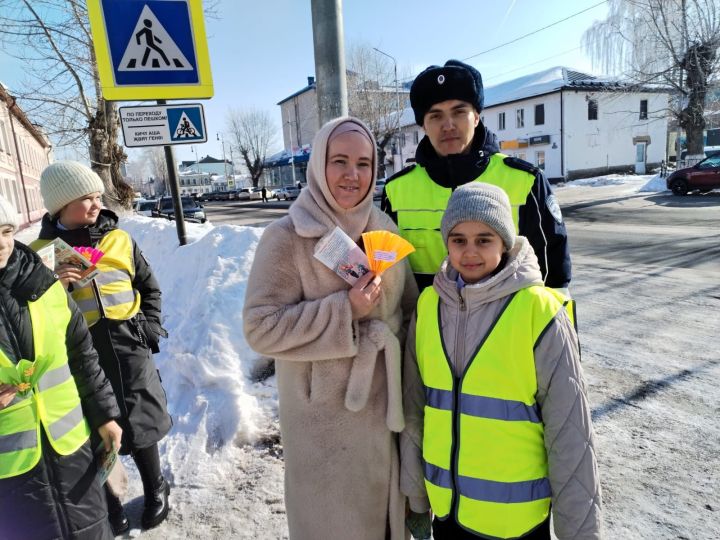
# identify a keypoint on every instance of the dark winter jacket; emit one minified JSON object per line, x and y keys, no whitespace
{"x":60,"y":497}
{"x":540,"y":220}
{"x":126,"y":347}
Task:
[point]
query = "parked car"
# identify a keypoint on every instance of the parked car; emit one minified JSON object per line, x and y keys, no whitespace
{"x":245,"y":194}
{"x":287,"y":193}
{"x":703,"y":176}
{"x":204,"y":197}
{"x":379,"y":188}
{"x":192,"y":210}
{"x":144,"y":207}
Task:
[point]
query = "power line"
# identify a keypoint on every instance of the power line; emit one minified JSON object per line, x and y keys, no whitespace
{"x":536,"y":31}
{"x":485,"y":79}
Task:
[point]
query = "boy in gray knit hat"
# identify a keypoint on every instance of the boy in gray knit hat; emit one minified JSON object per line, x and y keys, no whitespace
{"x":495,"y":405}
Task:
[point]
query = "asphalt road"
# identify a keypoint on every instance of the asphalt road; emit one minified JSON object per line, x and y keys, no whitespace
{"x":613,"y":222}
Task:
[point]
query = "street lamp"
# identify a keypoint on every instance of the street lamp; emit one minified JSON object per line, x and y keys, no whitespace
{"x":292,"y":152}
{"x":397,"y":96}
{"x":222,"y":141}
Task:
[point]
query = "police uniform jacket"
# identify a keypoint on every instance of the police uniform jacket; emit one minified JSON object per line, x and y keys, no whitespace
{"x":126,"y":346}
{"x":59,"y":497}
{"x":540,"y":220}
{"x":561,"y":391}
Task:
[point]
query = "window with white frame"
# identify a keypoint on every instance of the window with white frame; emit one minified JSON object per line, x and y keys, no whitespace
{"x":519,"y":118}
{"x":501,"y":121}
{"x":643,"y":109}
{"x":540,"y":159}
{"x":539,"y":114}
{"x":416,"y":137}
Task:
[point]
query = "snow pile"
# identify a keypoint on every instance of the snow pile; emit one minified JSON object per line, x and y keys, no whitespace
{"x":209,"y":373}
{"x":656,"y":183}
{"x":605,"y":180}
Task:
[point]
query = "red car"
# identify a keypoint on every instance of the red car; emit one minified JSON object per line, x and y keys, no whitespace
{"x":703,"y":176}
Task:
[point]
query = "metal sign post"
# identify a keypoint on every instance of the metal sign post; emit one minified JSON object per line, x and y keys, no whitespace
{"x":175,"y":191}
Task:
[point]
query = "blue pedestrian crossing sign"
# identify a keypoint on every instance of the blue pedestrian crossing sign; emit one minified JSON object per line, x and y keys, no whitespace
{"x":186,"y":124}
{"x":151,"y":49}
{"x":160,"y":125}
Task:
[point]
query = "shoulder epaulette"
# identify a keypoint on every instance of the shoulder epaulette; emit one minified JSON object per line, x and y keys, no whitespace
{"x":401,"y":172}
{"x":521,"y":164}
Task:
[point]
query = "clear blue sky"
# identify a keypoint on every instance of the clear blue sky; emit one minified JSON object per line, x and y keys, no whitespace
{"x":261,"y":52}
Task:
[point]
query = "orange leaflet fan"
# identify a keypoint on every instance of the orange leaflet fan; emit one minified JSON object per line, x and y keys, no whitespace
{"x":384,"y":249}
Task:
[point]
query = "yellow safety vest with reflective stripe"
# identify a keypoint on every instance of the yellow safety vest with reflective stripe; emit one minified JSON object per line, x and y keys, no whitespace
{"x":111,"y":294}
{"x":53,"y":404}
{"x":420,"y":203}
{"x":483,"y":440}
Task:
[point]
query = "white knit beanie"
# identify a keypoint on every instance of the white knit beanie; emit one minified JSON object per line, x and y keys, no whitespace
{"x":477,"y":201}
{"x":64,"y":181}
{"x":8,"y":214}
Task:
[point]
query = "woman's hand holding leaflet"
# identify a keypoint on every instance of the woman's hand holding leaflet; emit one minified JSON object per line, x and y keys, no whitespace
{"x":364,"y":295}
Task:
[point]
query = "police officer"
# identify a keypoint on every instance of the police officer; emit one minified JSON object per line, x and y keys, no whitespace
{"x":457,"y":149}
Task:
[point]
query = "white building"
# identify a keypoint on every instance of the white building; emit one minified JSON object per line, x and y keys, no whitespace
{"x":24,"y":152}
{"x":569,"y":123}
{"x":572,"y":124}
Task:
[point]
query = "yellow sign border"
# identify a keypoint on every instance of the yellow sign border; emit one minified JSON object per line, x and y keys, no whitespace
{"x":112,"y":92}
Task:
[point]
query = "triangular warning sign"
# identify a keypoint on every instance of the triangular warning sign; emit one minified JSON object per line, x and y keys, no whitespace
{"x":151,"y":48}
{"x":185,"y":129}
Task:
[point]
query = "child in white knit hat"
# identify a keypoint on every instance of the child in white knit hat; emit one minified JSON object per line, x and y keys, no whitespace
{"x":53,"y":394}
{"x":122,"y":308}
{"x":498,"y":426}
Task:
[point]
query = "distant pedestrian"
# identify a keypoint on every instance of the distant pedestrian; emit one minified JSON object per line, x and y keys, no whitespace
{"x":264,"y":194}
{"x":299,"y":185}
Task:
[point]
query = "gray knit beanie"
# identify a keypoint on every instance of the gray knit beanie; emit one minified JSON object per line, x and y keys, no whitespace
{"x":8,"y":214}
{"x":477,"y":201}
{"x":64,"y":181}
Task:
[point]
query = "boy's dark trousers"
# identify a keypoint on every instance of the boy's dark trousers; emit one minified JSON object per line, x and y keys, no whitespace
{"x":450,"y":530}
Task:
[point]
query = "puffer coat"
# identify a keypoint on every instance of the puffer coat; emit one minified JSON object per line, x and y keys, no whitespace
{"x":60,"y":498}
{"x":126,"y":347}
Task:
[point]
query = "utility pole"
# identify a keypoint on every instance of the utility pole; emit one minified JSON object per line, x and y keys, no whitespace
{"x":399,"y":110}
{"x":329,"y":59}
{"x":222,"y":141}
{"x":292,"y":152}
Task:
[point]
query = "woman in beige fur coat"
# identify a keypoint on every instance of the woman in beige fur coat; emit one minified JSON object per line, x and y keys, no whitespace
{"x":337,"y":349}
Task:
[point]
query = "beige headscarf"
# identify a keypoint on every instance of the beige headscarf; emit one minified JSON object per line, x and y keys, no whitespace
{"x":316,"y":212}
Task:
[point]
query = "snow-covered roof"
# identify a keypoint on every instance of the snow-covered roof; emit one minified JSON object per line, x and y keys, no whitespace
{"x":545,"y":82}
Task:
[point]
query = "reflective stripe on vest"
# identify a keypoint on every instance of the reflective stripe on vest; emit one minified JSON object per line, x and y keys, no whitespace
{"x":119,"y":301}
{"x":53,"y":402}
{"x":420,"y":203}
{"x":483,"y":439}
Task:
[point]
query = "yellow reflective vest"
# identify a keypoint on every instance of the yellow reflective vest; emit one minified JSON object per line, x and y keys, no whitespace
{"x":483,"y":438}
{"x":110,"y":294}
{"x":53,"y":403}
{"x":420,"y":203}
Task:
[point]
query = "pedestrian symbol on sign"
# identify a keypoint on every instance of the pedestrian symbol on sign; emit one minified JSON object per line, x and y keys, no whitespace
{"x":151,"y":42}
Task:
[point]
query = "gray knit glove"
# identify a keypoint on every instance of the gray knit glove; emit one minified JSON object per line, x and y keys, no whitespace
{"x":419,"y":525}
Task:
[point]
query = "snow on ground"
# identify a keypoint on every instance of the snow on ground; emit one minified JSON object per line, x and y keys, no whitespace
{"x":652,"y":370}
